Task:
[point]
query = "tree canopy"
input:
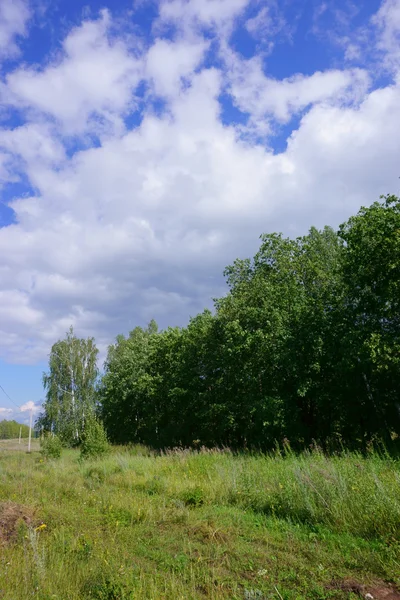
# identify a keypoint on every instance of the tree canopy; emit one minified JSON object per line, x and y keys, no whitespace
{"x":70,"y":387}
{"x":305,"y":347}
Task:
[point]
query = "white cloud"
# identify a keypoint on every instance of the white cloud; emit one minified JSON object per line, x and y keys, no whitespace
{"x":167,"y":63}
{"x":265,"y":98}
{"x":375,"y":43}
{"x":267,"y":23}
{"x":14,"y":16}
{"x":387,"y":22}
{"x":192,"y":16}
{"x":30,"y":406}
{"x":29,"y":149}
{"x":142,"y":225}
{"x":89,"y":87}
{"x":5,"y":411}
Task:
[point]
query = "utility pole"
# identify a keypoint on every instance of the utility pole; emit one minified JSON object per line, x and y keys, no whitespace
{"x":30,"y":430}
{"x":20,"y":430}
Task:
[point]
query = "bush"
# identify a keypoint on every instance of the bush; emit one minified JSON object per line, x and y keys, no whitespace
{"x":51,"y":446}
{"x":94,"y":440}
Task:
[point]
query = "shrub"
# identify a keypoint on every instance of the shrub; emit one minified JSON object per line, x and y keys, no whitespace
{"x":51,"y":446}
{"x":94,"y":440}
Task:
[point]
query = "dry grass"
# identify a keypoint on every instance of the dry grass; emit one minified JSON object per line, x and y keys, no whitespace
{"x":14,"y":445}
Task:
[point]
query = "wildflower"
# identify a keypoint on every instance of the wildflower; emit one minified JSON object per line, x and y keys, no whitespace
{"x":41,"y":527}
{"x":262,"y":572}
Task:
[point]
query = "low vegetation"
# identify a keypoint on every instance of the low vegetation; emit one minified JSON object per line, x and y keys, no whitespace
{"x":191,"y":525}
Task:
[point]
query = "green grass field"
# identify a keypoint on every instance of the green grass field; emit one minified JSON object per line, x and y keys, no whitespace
{"x":190,"y":525}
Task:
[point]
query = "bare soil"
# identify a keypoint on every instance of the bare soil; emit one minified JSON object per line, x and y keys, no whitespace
{"x":378,"y":590}
{"x":12,"y":515}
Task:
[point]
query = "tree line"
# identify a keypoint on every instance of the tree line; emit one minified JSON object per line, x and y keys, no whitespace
{"x":304,"y":347}
{"x":9,"y":430}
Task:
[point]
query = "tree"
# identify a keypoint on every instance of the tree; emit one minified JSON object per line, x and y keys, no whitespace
{"x":371,"y":280}
{"x":283,"y":304}
{"x":305,"y":346}
{"x":10,"y":430}
{"x":70,"y":388}
{"x":126,"y":388}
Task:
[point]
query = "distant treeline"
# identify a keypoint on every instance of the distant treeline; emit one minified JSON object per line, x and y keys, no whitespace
{"x":9,"y":430}
{"x":305,"y":348}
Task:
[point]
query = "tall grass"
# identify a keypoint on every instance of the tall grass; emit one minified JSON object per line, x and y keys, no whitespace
{"x":198,"y":524}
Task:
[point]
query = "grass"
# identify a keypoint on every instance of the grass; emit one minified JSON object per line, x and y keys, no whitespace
{"x":190,"y":525}
{"x":7,"y":445}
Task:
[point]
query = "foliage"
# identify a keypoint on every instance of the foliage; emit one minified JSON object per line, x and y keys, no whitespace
{"x":216,"y":525}
{"x":70,"y":388}
{"x":94,"y":439}
{"x":305,"y":347}
{"x":9,"y":430}
{"x":371,"y":336}
{"x":51,"y":446}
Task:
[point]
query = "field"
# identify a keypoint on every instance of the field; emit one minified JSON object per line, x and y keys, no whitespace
{"x":186,"y":525}
{"x":8,"y":445}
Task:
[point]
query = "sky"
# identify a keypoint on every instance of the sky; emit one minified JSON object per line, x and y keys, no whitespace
{"x":145,"y":145}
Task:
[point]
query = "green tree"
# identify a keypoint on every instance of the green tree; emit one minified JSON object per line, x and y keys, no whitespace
{"x":70,"y":386}
{"x":371,"y":340}
{"x":10,"y":430}
{"x":305,"y":346}
{"x":127,"y":386}
{"x":94,"y":439}
{"x":283,"y":303}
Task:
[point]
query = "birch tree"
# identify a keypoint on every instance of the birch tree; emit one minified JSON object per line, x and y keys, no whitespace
{"x":70,"y":387}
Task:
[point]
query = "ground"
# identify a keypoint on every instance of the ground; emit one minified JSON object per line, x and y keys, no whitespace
{"x":187,"y":525}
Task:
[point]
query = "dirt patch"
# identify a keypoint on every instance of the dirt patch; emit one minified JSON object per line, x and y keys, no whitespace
{"x":376,"y":591}
{"x":11,"y":517}
{"x":384,"y":592}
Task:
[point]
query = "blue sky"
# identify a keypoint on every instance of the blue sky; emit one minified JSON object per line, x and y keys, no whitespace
{"x":145,"y":145}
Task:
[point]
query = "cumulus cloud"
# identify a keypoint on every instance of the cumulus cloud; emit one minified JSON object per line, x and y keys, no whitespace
{"x":89,"y":87}
{"x":168,"y":63}
{"x":30,"y":406}
{"x":265,"y":98}
{"x":5,"y":411}
{"x":14,"y":16}
{"x":141,"y":223}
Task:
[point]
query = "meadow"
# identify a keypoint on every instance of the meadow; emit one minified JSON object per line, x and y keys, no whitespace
{"x":192,"y":525}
